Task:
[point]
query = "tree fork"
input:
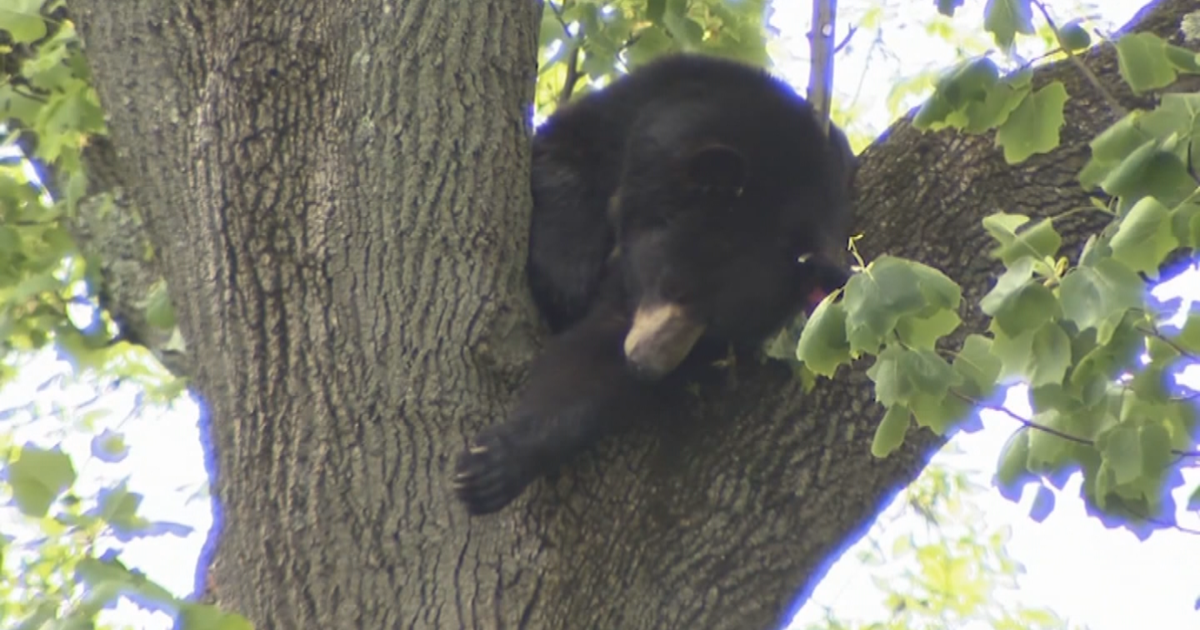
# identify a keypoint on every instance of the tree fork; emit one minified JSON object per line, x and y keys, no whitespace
{"x":340,"y":202}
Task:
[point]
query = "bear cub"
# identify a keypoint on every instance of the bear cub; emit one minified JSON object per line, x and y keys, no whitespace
{"x":693,"y":205}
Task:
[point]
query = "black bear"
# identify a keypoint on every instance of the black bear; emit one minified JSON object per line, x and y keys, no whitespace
{"x":693,"y":204}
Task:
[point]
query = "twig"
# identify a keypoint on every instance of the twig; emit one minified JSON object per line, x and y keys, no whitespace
{"x":1156,"y":333}
{"x":1025,"y":421}
{"x":1041,"y":427}
{"x":572,"y":58}
{"x":820,"y":76}
{"x":572,"y":76}
{"x":1112,"y":101}
{"x":845,"y":40}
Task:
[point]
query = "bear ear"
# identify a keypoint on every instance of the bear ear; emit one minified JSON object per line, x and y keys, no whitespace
{"x":717,"y":167}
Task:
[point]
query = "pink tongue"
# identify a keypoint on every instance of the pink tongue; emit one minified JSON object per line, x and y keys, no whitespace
{"x":814,"y":298}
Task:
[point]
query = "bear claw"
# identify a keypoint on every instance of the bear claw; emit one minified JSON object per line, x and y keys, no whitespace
{"x":486,"y":478}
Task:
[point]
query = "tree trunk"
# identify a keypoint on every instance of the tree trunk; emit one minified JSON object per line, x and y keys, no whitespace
{"x":338,"y":195}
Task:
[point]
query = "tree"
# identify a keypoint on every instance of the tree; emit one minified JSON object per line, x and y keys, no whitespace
{"x":336,"y":200}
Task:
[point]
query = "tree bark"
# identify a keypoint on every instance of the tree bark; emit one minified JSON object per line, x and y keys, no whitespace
{"x":338,"y":196}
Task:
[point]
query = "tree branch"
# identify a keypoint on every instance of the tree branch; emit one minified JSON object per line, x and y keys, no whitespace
{"x":820,"y":76}
{"x":114,"y":238}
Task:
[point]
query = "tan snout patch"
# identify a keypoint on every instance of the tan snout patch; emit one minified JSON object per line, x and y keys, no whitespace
{"x":660,"y":338}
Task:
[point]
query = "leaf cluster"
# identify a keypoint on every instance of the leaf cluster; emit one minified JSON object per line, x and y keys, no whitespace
{"x":1074,"y":333}
{"x":64,"y":579}
{"x":48,"y":114}
{"x":585,"y":44}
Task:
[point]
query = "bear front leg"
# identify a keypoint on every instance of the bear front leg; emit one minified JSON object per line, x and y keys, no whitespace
{"x":579,"y":391}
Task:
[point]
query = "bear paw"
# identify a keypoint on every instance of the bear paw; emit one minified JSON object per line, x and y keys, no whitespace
{"x":488,"y":476}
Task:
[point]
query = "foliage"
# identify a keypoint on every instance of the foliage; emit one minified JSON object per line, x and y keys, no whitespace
{"x":1072,"y":332}
{"x":50,"y":112}
{"x":948,"y":574}
{"x":61,"y":564}
{"x":585,"y":44}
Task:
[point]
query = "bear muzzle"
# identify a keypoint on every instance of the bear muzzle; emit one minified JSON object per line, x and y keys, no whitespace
{"x":659,"y":339}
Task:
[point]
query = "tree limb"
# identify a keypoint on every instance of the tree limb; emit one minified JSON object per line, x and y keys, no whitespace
{"x":113,"y":237}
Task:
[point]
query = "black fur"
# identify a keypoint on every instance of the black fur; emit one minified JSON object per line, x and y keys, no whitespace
{"x":695,"y":183}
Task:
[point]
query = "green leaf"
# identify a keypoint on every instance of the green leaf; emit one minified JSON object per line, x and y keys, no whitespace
{"x":1012,"y":351}
{"x":1144,"y":237}
{"x":1109,"y":358}
{"x":1150,"y":171}
{"x":1189,"y":336}
{"x":1001,"y":100}
{"x":680,"y":26}
{"x":10,"y":240}
{"x":1005,"y":18}
{"x":889,"y":435}
{"x":1039,"y":241}
{"x":1017,"y":303}
{"x":29,"y":287}
{"x":48,"y":70}
{"x":655,"y":10}
{"x":1195,"y":230}
{"x":1160,"y":351}
{"x":934,"y":110}
{"x":970,"y":82}
{"x":1150,"y":384}
{"x":1185,"y":224}
{"x":1048,"y":452}
{"x":1183,"y":59}
{"x":1033,"y":126}
{"x":119,"y":508}
{"x":971,"y":96}
{"x":823,"y":346}
{"x":550,"y":31}
{"x":1180,"y":417}
{"x":1143,"y":62}
{"x":1043,"y":504}
{"x":977,"y":364}
{"x":928,"y":372}
{"x":1013,"y":465}
{"x":1092,"y":294}
{"x":1003,"y":226}
{"x":1121,"y":448}
{"x":22,"y":20}
{"x":38,"y":477}
{"x":205,"y":617}
{"x":876,"y":299}
{"x":937,"y":288}
{"x":596,"y":65}
{"x":892,"y":386}
{"x":1156,"y":448}
{"x":1112,"y":146}
{"x":939,"y":413}
{"x":1051,"y":355}
{"x":1072,"y":36}
{"x":96,"y":572}
{"x":652,"y":43}
{"x":1125,"y":175}
{"x":924,"y":332}
{"x":14,"y":104}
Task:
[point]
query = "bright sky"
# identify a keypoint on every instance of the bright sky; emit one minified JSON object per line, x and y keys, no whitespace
{"x":1072,"y":562}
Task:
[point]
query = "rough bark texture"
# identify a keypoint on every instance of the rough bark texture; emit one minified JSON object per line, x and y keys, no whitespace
{"x":339,"y":198}
{"x":338,"y":194}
